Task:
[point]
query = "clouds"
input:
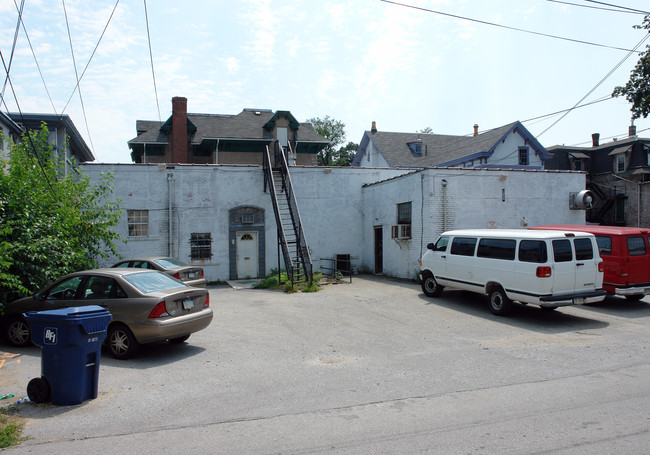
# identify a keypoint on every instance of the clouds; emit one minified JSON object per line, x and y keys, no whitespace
{"x":355,"y":61}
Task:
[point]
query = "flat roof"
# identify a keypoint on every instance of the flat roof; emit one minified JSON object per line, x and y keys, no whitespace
{"x":596,"y":229}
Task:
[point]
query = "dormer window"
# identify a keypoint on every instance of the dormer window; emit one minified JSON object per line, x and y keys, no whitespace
{"x":416,"y":148}
{"x":619,"y":163}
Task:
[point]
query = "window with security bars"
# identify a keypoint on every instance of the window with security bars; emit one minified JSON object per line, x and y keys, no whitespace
{"x":138,"y":223}
{"x":201,"y":246}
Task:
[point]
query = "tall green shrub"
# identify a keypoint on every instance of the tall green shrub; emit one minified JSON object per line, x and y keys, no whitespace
{"x":51,"y":222}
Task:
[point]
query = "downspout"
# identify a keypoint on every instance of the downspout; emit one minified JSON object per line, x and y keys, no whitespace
{"x":170,"y":178}
{"x":444,"y":205}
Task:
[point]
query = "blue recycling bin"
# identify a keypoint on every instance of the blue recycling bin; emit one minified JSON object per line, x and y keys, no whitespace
{"x":71,"y":342}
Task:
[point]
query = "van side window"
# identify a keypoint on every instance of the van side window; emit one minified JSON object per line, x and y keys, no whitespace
{"x":463,"y":246}
{"x":497,"y":249}
{"x":635,"y":246}
{"x":584,"y":250}
{"x":441,"y":244}
{"x":562,"y":250}
{"x":604,"y":245}
{"x":533,"y":251}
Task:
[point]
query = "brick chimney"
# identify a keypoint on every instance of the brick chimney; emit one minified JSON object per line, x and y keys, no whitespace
{"x":179,"y":138}
{"x":476,"y":129}
{"x":595,"y":139}
{"x":631,"y":131}
{"x":373,"y":128}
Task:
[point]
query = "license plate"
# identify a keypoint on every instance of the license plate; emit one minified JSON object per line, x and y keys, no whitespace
{"x":191,"y":274}
{"x":188,"y":303}
{"x":579,"y":300}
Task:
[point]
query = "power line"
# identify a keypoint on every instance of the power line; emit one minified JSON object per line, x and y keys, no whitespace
{"x":35,"y":154}
{"x":598,"y":84}
{"x":615,"y":10}
{"x":91,"y":55}
{"x":619,"y":7}
{"x":507,"y":27}
{"x":13,"y":49}
{"x":35,"y":59}
{"x":74,"y":64}
{"x":600,"y":100}
{"x":153,"y":73}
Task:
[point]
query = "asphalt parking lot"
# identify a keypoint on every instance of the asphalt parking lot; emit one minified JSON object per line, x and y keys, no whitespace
{"x":371,"y":366}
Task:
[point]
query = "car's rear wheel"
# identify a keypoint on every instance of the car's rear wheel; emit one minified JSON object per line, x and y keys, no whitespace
{"x":500,"y":304}
{"x":179,"y":340}
{"x":121,"y":342}
{"x":430,"y":286}
{"x":17,"y":332}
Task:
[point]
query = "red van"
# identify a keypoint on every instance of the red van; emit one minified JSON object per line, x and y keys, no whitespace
{"x":626,"y":255}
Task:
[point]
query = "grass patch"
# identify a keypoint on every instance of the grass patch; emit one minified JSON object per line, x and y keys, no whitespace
{"x":281,"y":281}
{"x":11,"y":428}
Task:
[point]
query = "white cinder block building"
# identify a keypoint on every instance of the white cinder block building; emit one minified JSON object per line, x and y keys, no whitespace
{"x":220,"y":217}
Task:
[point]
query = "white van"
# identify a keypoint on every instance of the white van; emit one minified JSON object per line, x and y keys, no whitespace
{"x":546,"y":268}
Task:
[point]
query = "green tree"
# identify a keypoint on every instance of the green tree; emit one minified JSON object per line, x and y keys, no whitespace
{"x":637,"y":89}
{"x":345,"y":155}
{"x":334,"y":131}
{"x":51,"y":224}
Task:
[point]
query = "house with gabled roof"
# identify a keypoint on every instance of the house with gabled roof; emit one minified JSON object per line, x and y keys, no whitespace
{"x":188,"y":138}
{"x":510,"y":146}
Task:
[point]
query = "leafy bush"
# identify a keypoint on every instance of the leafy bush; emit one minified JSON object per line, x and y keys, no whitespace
{"x":52,"y":220}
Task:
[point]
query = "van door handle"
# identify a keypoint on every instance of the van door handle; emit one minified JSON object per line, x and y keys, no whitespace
{"x":579,"y":264}
{"x":444,"y":257}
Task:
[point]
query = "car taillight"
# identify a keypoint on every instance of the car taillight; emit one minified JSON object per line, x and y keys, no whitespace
{"x":202,"y":273}
{"x":207,"y":301}
{"x":543,"y":272}
{"x":159,"y":310}
{"x":177,"y":276}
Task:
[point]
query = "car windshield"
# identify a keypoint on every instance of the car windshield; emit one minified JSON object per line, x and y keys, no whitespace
{"x":152,"y":282}
{"x":169,"y":263}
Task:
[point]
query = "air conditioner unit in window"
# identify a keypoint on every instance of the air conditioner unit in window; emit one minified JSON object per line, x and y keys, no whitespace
{"x":400,"y":231}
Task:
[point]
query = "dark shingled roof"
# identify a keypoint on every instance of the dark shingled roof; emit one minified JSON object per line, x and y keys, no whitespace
{"x":247,"y":125}
{"x":437,"y":149}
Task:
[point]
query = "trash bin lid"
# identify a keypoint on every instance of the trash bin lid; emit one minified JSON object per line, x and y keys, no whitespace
{"x":93,"y":318}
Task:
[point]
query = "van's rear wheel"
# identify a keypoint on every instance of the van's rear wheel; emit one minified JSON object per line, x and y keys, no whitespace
{"x":500,"y":304}
{"x":430,"y":286}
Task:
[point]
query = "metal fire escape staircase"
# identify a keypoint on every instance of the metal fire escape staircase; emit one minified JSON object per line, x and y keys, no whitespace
{"x":291,"y":237}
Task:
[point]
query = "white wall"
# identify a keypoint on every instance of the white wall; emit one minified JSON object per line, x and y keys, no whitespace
{"x":329,"y":200}
{"x":338,"y":212}
{"x":507,"y":152}
{"x":470,"y":199}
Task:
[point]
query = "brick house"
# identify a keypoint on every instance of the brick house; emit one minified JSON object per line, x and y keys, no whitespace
{"x":222,"y":139}
{"x":618,"y":173}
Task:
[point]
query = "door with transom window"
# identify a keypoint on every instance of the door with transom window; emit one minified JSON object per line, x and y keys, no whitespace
{"x":247,"y":255}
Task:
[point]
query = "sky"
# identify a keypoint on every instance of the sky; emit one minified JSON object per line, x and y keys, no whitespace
{"x":356,"y":61}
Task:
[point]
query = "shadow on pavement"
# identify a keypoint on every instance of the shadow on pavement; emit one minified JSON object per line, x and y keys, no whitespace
{"x":529,"y":317}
